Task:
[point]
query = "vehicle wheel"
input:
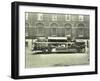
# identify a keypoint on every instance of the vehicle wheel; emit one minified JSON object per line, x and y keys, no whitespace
{"x":49,"y":50}
{"x":83,"y":50}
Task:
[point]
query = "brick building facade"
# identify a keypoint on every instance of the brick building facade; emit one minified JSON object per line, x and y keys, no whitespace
{"x":58,"y":25}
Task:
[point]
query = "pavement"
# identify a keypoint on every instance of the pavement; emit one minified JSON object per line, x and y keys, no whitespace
{"x":54,"y":60}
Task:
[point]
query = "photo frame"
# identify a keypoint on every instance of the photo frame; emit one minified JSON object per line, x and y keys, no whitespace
{"x":51,"y":40}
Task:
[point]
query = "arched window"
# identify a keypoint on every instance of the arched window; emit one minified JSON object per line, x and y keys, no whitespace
{"x":80,"y":30}
{"x":81,"y":25}
{"x":54,"y":29}
{"x":68,"y":29}
{"x":40,"y":29}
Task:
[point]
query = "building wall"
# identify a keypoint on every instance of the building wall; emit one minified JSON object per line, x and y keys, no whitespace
{"x":59,"y":27}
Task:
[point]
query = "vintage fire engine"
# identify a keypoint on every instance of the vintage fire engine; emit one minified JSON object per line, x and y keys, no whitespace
{"x":58,"y":45}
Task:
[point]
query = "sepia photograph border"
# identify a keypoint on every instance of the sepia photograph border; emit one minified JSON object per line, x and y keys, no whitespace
{"x":15,"y":40}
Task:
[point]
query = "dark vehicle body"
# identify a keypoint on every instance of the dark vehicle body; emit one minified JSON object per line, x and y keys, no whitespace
{"x":59,"y":45}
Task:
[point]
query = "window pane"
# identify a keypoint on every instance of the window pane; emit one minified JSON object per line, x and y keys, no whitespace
{"x":68,"y":17}
{"x":54,"y":17}
{"x":81,"y":18}
{"x":40,"y":16}
{"x":26,"y":16}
